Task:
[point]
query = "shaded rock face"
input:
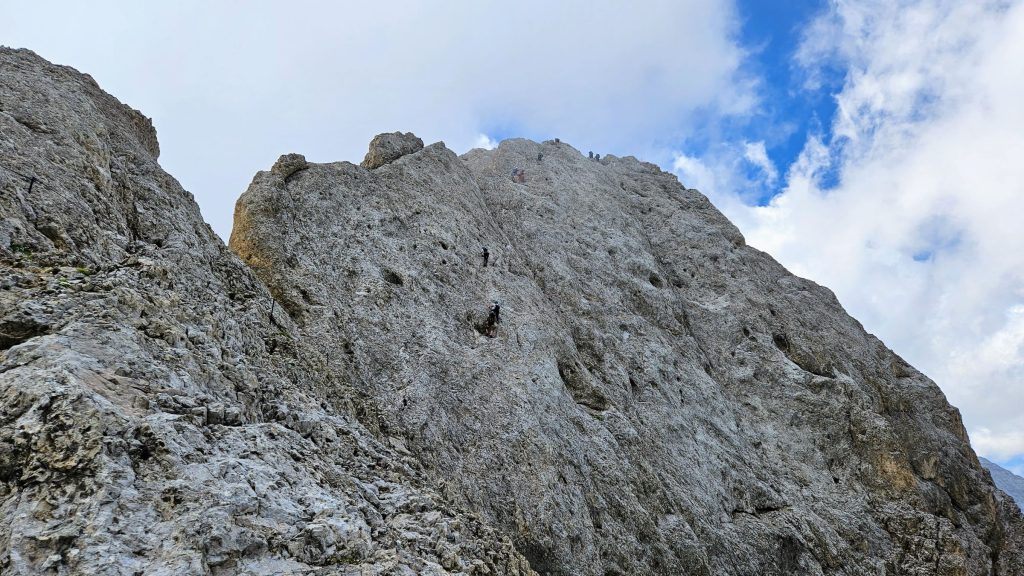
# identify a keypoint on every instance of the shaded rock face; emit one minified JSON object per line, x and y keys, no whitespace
{"x":658,"y":398}
{"x":159,"y":413}
{"x":386,"y":148}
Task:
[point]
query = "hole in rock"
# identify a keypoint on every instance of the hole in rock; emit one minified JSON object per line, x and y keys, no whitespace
{"x":392,"y":277}
{"x":781,"y":342}
{"x":576,"y":380}
{"x":16,"y":331}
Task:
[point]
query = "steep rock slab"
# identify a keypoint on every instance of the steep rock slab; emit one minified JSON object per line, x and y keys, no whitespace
{"x":159,"y":413}
{"x":658,"y":398}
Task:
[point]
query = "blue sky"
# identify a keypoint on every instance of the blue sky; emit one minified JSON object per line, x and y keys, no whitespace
{"x":872,"y":146}
{"x":772,"y":33}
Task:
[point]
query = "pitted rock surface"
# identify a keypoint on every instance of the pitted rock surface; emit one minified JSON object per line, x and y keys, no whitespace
{"x":658,"y":398}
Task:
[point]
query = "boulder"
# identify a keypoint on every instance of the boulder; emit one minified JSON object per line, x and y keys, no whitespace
{"x":388,"y":147}
{"x":289,"y":164}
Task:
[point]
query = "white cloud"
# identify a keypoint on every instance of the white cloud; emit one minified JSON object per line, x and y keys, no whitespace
{"x":723,"y":173}
{"x":922,"y":237}
{"x":756,"y":154}
{"x":694,"y":173}
{"x":232,"y":87}
{"x":997,"y":446}
{"x":486,"y":142}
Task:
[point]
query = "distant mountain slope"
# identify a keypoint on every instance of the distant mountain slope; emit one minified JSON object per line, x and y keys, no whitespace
{"x":1006,"y":481}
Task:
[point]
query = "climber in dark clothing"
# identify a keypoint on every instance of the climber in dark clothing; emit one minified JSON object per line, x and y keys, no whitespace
{"x":495,"y":315}
{"x":486,"y":256}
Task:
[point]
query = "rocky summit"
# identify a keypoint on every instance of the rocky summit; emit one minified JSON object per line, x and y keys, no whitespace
{"x":625,"y":387}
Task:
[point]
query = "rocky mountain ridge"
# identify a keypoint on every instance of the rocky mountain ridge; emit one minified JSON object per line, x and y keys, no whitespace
{"x":659,"y":398}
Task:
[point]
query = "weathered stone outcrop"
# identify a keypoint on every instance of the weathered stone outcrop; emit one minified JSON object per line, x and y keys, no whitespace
{"x":659,"y":398}
{"x":159,"y":413}
{"x":289,"y":164}
{"x":386,"y":148}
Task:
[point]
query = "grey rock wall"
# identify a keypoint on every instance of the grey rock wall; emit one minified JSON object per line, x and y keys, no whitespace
{"x":659,"y":398}
{"x":158,"y":413}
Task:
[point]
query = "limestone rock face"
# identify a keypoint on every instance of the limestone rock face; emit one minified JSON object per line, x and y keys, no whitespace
{"x":659,"y":398}
{"x":388,"y":147}
{"x":159,"y":414}
{"x":326,"y":397}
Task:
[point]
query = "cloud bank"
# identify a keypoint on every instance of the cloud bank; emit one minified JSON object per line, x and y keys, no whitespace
{"x":233,"y":85}
{"x":909,"y":206}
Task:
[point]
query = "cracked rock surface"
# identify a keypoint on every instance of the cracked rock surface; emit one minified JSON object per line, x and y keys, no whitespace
{"x":323,"y":398}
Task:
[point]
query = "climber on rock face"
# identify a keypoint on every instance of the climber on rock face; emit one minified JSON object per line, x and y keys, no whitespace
{"x":486,"y":255}
{"x":494,"y":317}
{"x":490,"y":327}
